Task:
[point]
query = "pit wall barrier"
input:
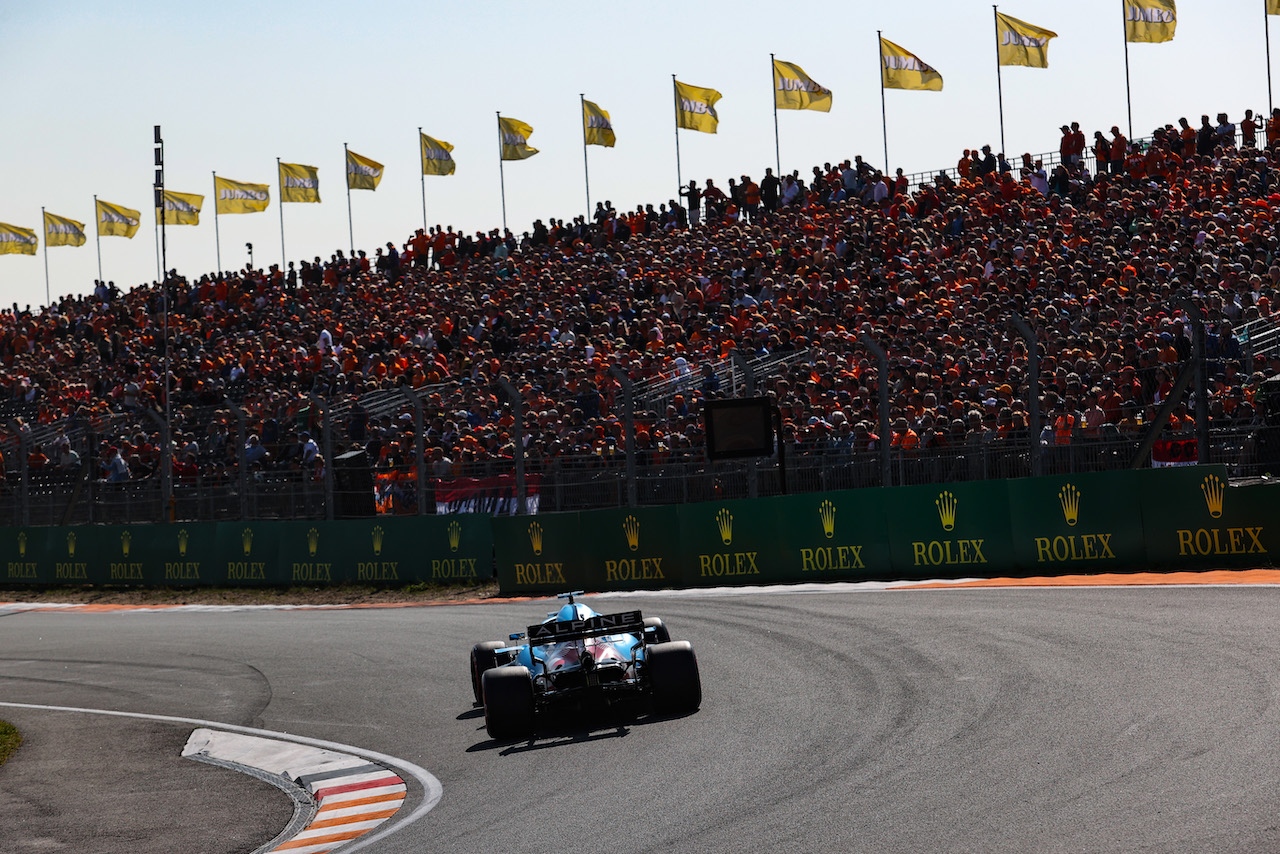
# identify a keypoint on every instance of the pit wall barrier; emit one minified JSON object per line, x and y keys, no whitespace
{"x":1154,"y":519}
{"x":390,"y":551}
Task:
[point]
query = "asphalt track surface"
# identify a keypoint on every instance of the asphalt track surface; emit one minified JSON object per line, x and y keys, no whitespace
{"x":1061,"y":720}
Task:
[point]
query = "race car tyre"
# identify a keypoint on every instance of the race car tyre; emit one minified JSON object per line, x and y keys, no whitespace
{"x":673,"y":677}
{"x":483,"y":657}
{"x":656,"y":631}
{"x":508,"y":702}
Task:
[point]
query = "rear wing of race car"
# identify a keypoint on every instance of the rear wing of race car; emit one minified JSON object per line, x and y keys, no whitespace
{"x":626,"y":622}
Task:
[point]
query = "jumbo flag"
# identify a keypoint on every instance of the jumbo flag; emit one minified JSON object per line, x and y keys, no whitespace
{"x":362,"y":173}
{"x":436,"y":157}
{"x":181,"y":208}
{"x":299,"y":183}
{"x":902,"y":69}
{"x":696,"y":108}
{"x":795,"y":90}
{"x":1152,"y":21}
{"x":236,"y":197}
{"x":16,"y":240}
{"x":1020,"y":43}
{"x":515,"y":139}
{"x":116,"y":220}
{"x":60,"y":231}
{"x":596,"y":126}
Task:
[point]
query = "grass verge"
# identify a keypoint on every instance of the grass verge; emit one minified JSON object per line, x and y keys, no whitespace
{"x":10,"y":739}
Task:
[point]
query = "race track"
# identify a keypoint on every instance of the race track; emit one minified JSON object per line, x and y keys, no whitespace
{"x":1126,"y":720}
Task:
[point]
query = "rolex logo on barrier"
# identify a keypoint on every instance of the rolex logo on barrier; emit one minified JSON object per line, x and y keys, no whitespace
{"x":1212,"y":488}
{"x":631,"y":528}
{"x":377,"y":535}
{"x":1069,"y":498}
{"x":312,"y":571}
{"x":182,"y":569}
{"x":183,"y":537}
{"x":22,"y":568}
{"x":827,"y":512}
{"x":1206,"y":542}
{"x":535,"y":538}
{"x":455,"y":535}
{"x":633,"y":569}
{"x":126,"y":539}
{"x":125,"y":570}
{"x":724,"y":522}
{"x":246,"y":570}
{"x":246,"y":541}
{"x":313,"y":542}
{"x":946,"y":503}
{"x":71,"y":569}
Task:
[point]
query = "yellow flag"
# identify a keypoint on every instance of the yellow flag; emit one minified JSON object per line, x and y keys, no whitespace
{"x":299,"y":183}
{"x":436,"y":159}
{"x":16,"y":240}
{"x":596,"y":127}
{"x":902,"y":69}
{"x":60,"y":231}
{"x":696,"y":108}
{"x":1020,"y":43}
{"x":116,"y":220}
{"x":236,"y":197}
{"x":1273,"y":7}
{"x":1153,"y":21}
{"x":362,"y":173}
{"x":795,"y":90}
{"x":515,"y":139}
{"x":181,"y":208}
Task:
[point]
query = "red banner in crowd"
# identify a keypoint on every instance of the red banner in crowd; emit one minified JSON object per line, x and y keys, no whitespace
{"x":396,"y":493}
{"x":1174,"y":452}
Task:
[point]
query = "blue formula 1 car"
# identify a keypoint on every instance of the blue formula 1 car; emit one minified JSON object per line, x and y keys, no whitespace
{"x":576,"y":656}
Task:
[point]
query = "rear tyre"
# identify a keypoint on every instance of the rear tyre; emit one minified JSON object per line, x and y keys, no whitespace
{"x":483,"y":657}
{"x":508,"y":702}
{"x":655,"y":631}
{"x":673,"y":678}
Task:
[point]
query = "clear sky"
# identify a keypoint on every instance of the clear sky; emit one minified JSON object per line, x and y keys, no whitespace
{"x":237,"y":84}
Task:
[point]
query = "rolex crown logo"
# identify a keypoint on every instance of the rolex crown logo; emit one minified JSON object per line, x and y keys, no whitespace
{"x":724,"y":521}
{"x":455,"y":535}
{"x":313,"y":541}
{"x":631,"y":527}
{"x":1069,"y":497}
{"x":182,"y":542}
{"x":1212,"y":487}
{"x":126,"y":539}
{"x":22,"y":544}
{"x":827,"y":512}
{"x":946,"y":510}
{"x":535,"y":538}
{"x":71,"y":543}
{"x":377,"y":533}
{"x":246,"y":541}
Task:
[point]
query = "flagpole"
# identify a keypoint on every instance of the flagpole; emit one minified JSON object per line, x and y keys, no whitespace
{"x":586,"y":169}
{"x":424,"y":180}
{"x":675,"y":95}
{"x":502,"y":179}
{"x":158,"y":247}
{"x":280,"y":181}
{"x":44,"y":224}
{"x":351,"y":231}
{"x":999,"y":82}
{"x":97,"y":237}
{"x":1266,"y":28}
{"x":217,"y":239}
{"x":884,"y":114}
{"x":1128,"y":97}
{"x":777,"y":144}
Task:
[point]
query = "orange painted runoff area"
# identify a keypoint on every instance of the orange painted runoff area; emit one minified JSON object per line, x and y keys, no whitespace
{"x":1114,"y":579}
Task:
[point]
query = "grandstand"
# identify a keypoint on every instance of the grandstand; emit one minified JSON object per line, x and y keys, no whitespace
{"x":486,"y":373}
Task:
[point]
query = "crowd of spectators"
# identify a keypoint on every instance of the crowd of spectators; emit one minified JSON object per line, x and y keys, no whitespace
{"x":1106,"y":261}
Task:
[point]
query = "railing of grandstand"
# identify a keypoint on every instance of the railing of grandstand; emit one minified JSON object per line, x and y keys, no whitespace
{"x":657,"y":393}
{"x":1260,"y":336}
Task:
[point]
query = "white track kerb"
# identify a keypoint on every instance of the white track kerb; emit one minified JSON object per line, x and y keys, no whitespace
{"x":354,"y":795}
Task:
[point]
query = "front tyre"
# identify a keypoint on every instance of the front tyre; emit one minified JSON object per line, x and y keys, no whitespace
{"x":508,"y":702}
{"x":656,"y":631}
{"x":673,"y":678}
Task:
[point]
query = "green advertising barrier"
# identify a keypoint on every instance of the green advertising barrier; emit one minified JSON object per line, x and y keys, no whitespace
{"x":1191,"y":518}
{"x":952,"y":530}
{"x":158,"y":555}
{"x":733,"y":542}
{"x":26,"y":555}
{"x":248,"y":553}
{"x":834,"y":536}
{"x":539,"y":554}
{"x":79,"y":554}
{"x":634,"y":548}
{"x":1078,"y":523}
